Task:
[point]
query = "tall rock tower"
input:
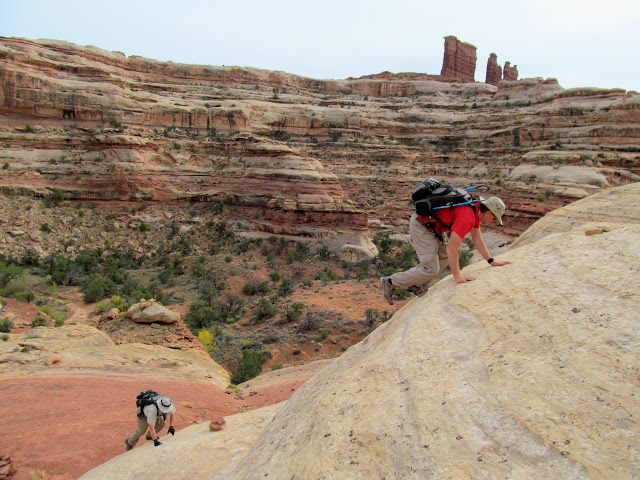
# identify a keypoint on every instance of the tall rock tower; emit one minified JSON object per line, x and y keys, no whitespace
{"x":494,"y":71}
{"x":459,"y":63}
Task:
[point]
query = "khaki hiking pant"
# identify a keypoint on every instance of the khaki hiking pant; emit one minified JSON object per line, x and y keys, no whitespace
{"x":142,"y":427}
{"x":431,"y":253}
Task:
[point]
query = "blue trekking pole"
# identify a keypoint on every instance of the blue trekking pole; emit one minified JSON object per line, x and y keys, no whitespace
{"x":458,"y":204}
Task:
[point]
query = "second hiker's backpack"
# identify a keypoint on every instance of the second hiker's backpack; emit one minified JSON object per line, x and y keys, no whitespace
{"x":145,"y":398}
{"x":432,"y":194}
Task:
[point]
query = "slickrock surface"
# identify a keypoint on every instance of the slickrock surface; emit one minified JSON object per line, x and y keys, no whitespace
{"x":194,"y":452}
{"x":81,"y":349}
{"x":606,"y":210}
{"x":529,"y":372}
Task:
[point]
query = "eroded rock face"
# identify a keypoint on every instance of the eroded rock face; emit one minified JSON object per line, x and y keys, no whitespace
{"x":525,"y":373}
{"x":459,"y":63}
{"x":85,"y":349}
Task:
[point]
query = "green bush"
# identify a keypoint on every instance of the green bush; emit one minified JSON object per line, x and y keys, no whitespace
{"x":8,"y":273}
{"x":6,"y":325}
{"x":249,"y":366}
{"x":264,"y":310}
{"x":277,"y":366}
{"x":39,"y":322}
{"x":24,"y":296}
{"x":96,"y":288}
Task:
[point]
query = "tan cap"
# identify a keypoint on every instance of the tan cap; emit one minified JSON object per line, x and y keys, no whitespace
{"x":495,"y":206}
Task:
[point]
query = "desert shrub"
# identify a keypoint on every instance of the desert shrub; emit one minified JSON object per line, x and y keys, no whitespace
{"x":16,"y":285}
{"x":286,"y":286}
{"x":30,"y":258}
{"x":249,"y":289}
{"x":277,"y":366}
{"x":8,"y":273}
{"x":54,"y":198}
{"x":371,"y":315}
{"x":45,"y":228}
{"x":294,"y":311}
{"x":6,"y":325}
{"x":27,"y":296}
{"x":327,"y":275}
{"x":39,"y":322}
{"x":201,"y":315}
{"x":310,"y":323}
{"x":249,"y":366}
{"x":206,"y":338}
{"x":274,"y":276}
{"x":96,"y":288}
{"x":402,"y":294}
{"x":324,"y":334}
{"x":264,"y":310}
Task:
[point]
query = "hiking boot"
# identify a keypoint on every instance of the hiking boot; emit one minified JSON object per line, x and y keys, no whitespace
{"x":387,"y":289}
{"x":417,"y":291}
{"x":148,"y":437}
{"x":126,"y":443}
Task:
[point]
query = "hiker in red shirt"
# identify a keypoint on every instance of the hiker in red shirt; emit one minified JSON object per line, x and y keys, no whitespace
{"x":434,"y":254}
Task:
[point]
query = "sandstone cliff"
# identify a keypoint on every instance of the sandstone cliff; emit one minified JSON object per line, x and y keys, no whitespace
{"x":528,"y":372}
{"x":312,"y":159}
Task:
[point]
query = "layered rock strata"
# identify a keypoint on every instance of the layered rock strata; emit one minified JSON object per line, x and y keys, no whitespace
{"x":314,"y":159}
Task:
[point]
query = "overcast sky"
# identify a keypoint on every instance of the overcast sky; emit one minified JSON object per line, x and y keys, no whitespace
{"x":582,"y":43}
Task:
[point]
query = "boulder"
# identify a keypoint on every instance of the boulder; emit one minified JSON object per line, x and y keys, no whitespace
{"x":150,"y":312}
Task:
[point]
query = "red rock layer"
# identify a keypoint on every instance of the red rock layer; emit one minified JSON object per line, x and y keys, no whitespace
{"x":494,"y":71}
{"x":459,"y":63}
{"x":510,"y":73}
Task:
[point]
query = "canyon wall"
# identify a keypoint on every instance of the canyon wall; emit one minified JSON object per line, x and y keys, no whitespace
{"x":323,"y":160}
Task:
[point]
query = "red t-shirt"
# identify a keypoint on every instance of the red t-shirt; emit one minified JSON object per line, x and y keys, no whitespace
{"x":462,"y":219}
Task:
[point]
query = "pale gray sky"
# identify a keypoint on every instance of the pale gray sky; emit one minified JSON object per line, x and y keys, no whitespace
{"x":582,"y":43}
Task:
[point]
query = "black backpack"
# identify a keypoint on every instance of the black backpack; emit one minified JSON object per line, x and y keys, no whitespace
{"x":145,"y":398}
{"x":431,"y":195}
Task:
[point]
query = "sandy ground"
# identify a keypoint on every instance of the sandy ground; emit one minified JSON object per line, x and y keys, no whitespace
{"x":66,"y":425}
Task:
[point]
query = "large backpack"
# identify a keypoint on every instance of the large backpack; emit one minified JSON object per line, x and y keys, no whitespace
{"x":431,"y":195}
{"x":145,"y":398}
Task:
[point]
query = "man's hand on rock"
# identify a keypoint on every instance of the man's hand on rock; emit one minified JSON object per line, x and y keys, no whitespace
{"x":500,"y":263}
{"x":464,"y":279}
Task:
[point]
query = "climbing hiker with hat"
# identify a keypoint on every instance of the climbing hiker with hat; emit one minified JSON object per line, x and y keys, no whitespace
{"x":443,"y":208}
{"x":152,"y":410}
